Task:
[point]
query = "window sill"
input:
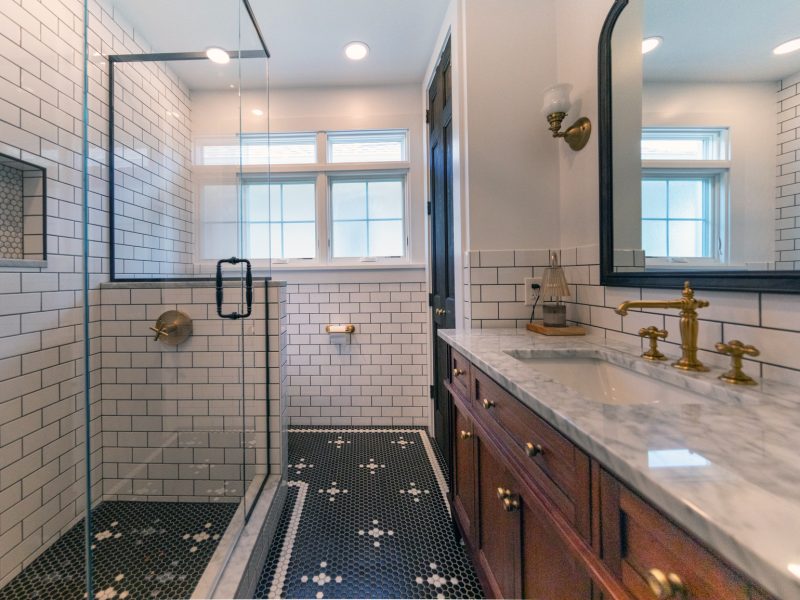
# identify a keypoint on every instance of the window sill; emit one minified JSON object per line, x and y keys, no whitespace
{"x":355,"y":266}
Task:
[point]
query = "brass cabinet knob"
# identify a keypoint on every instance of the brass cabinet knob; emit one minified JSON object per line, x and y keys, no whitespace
{"x":533,"y":449}
{"x":666,"y":586}
{"x":653,"y":333}
{"x":736,"y":350}
{"x":458,"y":372}
{"x":510,"y":504}
{"x":465,"y":435}
{"x":487,"y":404}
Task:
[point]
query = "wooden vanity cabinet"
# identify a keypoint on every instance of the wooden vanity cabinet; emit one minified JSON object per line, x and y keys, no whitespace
{"x":462,"y":497}
{"x":552,"y":523}
{"x":642,"y":545}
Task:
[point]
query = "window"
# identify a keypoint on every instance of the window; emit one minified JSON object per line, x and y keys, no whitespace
{"x":260,"y":149}
{"x":670,"y":143}
{"x":326,"y":196}
{"x":677,"y":216}
{"x":367,"y":146}
{"x":281,"y":219}
{"x":684,"y":175}
{"x":367,"y":217}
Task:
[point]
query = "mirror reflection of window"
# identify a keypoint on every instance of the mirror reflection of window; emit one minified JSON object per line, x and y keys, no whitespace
{"x":684,"y":194}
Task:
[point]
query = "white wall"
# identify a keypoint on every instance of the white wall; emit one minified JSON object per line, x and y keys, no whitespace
{"x":512,"y":162}
{"x":748,"y":111}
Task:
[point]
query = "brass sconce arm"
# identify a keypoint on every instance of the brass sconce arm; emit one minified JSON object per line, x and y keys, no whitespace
{"x":576,"y":135}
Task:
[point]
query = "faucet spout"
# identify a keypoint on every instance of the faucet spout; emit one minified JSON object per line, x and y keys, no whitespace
{"x":689,"y":324}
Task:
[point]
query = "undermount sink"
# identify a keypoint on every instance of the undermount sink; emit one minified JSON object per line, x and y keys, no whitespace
{"x":601,"y":381}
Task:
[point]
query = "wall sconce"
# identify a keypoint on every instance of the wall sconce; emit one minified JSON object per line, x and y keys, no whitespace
{"x":556,"y":106}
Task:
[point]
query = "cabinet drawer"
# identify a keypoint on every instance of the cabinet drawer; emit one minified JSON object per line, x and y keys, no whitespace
{"x":459,"y":373}
{"x":650,"y":542}
{"x":551,"y":459}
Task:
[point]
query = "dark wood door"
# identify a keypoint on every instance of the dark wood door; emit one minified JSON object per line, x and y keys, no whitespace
{"x":464,"y":472}
{"x":442,"y":249}
{"x":549,"y":569}
{"x":499,"y":531}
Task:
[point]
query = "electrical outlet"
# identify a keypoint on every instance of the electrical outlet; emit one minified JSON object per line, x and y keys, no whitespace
{"x":530,"y":292}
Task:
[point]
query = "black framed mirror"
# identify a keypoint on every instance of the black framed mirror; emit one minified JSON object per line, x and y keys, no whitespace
{"x":694,"y":100}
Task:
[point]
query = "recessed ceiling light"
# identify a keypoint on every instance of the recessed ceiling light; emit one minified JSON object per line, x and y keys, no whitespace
{"x":650,"y":44}
{"x":257,"y":112}
{"x":356,"y":50}
{"x":218,"y":55}
{"x":787,"y":47}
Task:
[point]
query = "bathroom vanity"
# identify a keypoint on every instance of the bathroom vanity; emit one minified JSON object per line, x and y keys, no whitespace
{"x":581,"y":471}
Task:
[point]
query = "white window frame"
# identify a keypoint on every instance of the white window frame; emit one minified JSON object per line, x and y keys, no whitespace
{"x":717,"y":168}
{"x":323,"y":171}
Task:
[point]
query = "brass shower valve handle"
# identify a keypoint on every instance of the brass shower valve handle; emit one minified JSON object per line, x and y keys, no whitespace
{"x":654,"y":334}
{"x":172,"y":328}
{"x":736,"y":350}
{"x":161,"y":330}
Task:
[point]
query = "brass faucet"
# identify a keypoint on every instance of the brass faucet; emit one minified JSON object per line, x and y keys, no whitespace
{"x":689,"y":327}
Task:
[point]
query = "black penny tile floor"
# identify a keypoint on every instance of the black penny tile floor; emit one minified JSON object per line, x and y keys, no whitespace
{"x":141,"y":550}
{"x":366,"y":517}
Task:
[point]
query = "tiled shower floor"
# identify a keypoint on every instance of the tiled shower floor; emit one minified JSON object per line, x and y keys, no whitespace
{"x":141,"y":550}
{"x":366,"y":517}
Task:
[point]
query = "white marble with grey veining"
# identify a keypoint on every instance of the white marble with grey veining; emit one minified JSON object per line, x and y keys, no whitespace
{"x":742,"y":500}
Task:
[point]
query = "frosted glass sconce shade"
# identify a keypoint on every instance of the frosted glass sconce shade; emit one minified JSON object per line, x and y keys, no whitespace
{"x":556,"y":99}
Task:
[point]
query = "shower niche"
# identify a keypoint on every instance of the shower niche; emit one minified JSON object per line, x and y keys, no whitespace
{"x":22,"y":210}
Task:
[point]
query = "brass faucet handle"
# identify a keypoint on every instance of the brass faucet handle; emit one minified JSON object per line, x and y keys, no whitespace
{"x":161,"y":330}
{"x":653,"y":333}
{"x":736,"y":350}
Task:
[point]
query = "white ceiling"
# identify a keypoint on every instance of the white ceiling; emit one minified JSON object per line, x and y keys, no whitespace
{"x":305,"y":37}
{"x":721,"y":40}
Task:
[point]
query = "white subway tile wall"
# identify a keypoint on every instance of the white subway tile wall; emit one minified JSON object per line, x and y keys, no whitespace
{"x":173,"y":417}
{"x":42,"y":467}
{"x":770,"y":321}
{"x":153,"y":217}
{"x":787,"y":217}
{"x":375,"y":376}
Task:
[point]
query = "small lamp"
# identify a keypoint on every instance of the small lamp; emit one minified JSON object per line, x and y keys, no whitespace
{"x":554,"y":285}
{"x":555,"y":108}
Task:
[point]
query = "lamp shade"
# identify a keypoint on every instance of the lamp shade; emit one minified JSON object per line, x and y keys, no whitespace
{"x":554,"y":281}
{"x":556,"y":99}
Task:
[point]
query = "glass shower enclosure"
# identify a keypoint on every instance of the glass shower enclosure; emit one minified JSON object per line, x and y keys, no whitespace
{"x":178,"y":433}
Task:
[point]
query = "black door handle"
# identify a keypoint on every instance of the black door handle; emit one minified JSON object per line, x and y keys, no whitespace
{"x":248,"y":288}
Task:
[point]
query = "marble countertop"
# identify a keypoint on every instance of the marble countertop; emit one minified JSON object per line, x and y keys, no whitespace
{"x":733,"y":479}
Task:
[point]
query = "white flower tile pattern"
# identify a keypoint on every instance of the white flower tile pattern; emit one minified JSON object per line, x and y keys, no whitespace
{"x":382,"y":544}
{"x":141,"y":550}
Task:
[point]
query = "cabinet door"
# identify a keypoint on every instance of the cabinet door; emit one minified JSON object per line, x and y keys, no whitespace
{"x":465,"y":468}
{"x":549,"y":570}
{"x":499,"y":533}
